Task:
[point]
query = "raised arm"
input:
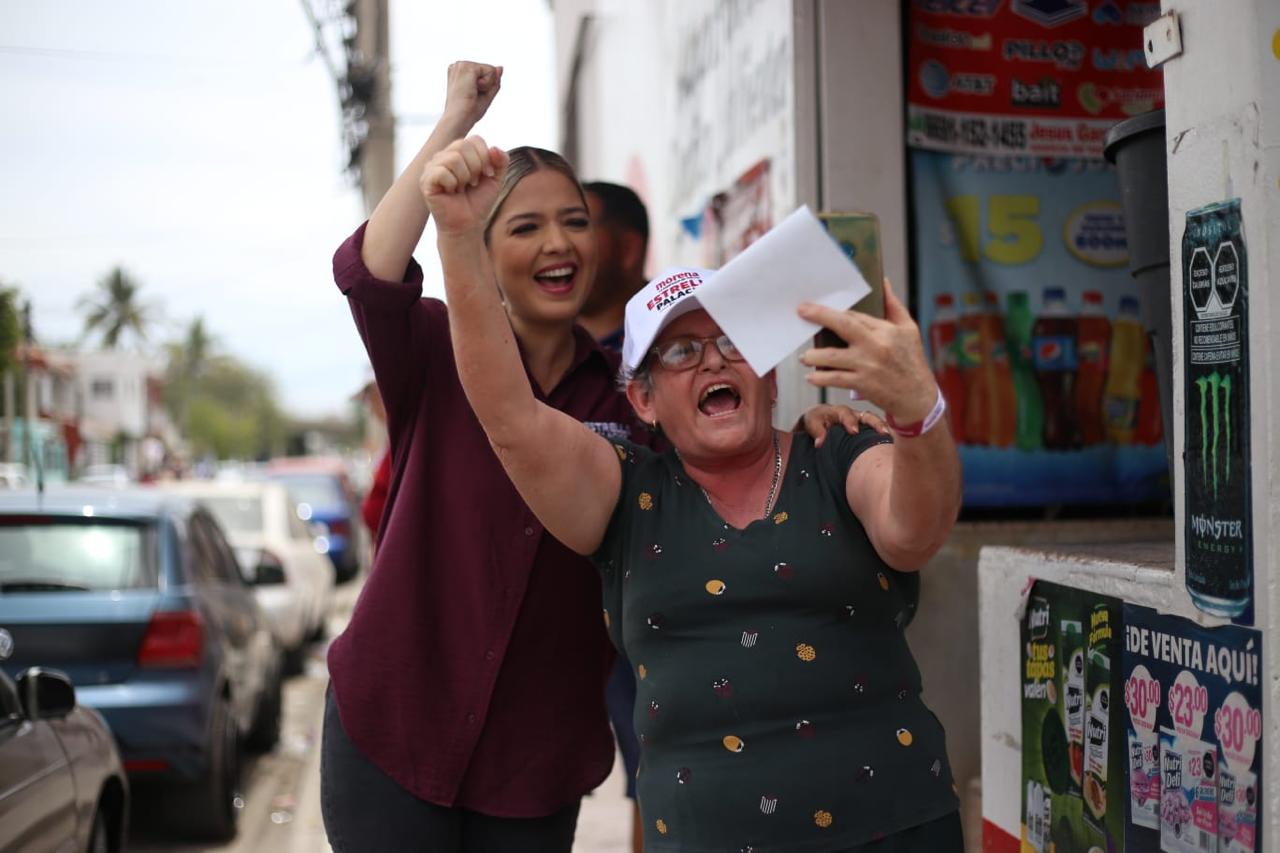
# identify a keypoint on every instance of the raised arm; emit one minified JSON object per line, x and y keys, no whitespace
{"x":567,"y":474}
{"x":907,"y":494}
{"x":396,"y":225}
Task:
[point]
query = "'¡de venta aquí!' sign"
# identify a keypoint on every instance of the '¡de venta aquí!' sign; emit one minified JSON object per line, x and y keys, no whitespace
{"x":1219,"y":553}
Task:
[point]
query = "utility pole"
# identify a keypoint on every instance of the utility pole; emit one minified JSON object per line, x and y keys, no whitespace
{"x":373,"y":49}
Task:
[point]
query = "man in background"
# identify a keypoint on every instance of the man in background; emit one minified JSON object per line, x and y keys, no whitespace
{"x":622,"y":241}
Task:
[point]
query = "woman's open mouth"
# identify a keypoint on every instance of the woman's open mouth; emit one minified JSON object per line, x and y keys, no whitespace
{"x":718,"y":400}
{"x":557,"y":280}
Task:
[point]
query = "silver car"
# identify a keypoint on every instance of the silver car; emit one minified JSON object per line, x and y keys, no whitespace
{"x":62,"y":786}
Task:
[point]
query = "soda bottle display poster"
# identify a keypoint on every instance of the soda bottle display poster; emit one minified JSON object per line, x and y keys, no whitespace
{"x":1034,"y":328}
{"x":1193,"y":735}
{"x":1073,"y":782}
{"x":1219,"y":505}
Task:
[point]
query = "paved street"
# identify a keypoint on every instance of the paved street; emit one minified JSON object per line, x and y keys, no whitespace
{"x":281,"y":790}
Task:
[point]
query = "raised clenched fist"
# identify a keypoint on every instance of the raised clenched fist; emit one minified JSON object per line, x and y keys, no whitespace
{"x":471,"y":89}
{"x":460,"y":184}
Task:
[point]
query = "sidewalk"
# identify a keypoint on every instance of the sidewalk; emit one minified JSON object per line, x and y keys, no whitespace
{"x":604,"y":824}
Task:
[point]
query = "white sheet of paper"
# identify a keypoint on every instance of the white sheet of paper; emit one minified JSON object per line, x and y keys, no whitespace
{"x":754,"y":297}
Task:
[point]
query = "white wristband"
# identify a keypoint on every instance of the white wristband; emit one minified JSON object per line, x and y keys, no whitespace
{"x":923,"y":426}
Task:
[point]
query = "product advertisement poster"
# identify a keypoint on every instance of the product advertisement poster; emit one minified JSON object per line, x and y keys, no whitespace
{"x":1034,"y":328}
{"x":1073,"y":753}
{"x":1219,"y":505}
{"x":1026,"y":77}
{"x":1193,"y":735}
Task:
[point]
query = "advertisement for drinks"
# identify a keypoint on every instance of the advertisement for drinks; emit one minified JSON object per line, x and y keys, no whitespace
{"x":1034,"y":327}
{"x":1073,"y":781}
{"x":1193,"y":735}
{"x":1026,"y":77}
{"x":1219,"y":505}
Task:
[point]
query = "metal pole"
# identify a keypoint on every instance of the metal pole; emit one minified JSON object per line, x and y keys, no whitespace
{"x":34,"y":461}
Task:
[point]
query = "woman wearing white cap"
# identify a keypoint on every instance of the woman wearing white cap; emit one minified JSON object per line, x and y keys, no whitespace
{"x":758,"y":582}
{"x":466,"y":710}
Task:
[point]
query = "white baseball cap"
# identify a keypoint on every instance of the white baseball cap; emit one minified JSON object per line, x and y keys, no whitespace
{"x":671,"y":294}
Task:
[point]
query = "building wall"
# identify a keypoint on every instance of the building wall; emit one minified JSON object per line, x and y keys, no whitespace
{"x":678,"y":100}
{"x":1222,"y":141}
{"x":124,"y":407}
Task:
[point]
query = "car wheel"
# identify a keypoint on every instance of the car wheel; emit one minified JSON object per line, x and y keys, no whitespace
{"x":265,"y":732}
{"x":100,"y":840}
{"x":206,"y":809}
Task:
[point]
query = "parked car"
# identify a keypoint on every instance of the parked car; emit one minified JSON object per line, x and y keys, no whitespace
{"x":321,"y":489}
{"x":116,"y":476}
{"x":62,"y":786}
{"x":137,"y":596}
{"x":262,"y":524}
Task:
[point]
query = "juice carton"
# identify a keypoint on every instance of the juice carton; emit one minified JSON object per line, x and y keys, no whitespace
{"x":1237,"y":810}
{"x":1097,"y":720}
{"x":1188,"y":794}
{"x":1071,"y":647}
{"x":1144,"y":782}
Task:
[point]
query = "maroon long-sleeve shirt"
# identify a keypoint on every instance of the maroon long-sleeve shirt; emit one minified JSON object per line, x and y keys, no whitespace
{"x":473,"y":669}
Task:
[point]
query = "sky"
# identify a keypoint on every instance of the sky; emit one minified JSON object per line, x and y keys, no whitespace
{"x":198,"y":146}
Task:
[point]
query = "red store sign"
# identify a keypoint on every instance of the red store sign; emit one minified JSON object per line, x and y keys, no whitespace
{"x":1043,"y":78}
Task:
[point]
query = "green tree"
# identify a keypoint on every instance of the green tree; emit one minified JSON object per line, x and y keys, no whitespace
{"x":115,"y":309}
{"x":10,"y":327}
{"x":188,"y":361}
{"x":224,"y":407}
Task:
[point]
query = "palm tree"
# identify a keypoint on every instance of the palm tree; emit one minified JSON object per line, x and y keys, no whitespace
{"x":189,"y":360}
{"x":114,"y":309}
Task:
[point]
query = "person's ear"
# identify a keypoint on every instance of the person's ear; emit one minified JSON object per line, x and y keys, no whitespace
{"x":632,"y":250}
{"x":640,"y":396}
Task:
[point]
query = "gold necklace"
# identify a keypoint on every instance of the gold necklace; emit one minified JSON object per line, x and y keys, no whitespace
{"x":773,"y":486}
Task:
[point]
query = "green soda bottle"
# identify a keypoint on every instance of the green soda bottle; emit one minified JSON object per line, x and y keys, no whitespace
{"x":1018,"y":321}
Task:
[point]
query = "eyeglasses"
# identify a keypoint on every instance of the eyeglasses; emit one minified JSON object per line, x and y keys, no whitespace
{"x":684,"y":353}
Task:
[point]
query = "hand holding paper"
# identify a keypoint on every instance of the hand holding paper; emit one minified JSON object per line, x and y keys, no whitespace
{"x":754,"y":298}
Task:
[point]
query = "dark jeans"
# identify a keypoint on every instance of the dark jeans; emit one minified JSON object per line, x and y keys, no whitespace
{"x":366,"y":810}
{"x":620,"y":696}
{"x":943,"y":835}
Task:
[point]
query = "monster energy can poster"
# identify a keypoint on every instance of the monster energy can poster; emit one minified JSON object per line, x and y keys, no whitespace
{"x":1193,"y":735}
{"x":1219,"y":536}
{"x":1073,"y":782}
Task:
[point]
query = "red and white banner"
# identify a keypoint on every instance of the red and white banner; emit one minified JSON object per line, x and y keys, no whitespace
{"x":1042,"y":78}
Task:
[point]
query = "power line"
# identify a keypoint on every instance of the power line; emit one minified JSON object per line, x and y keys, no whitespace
{"x":89,"y":55}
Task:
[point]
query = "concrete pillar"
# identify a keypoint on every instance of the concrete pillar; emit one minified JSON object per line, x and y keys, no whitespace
{"x":1222,"y":118}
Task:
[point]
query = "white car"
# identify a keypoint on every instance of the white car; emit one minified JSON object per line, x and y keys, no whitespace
{"x":262,"y":525}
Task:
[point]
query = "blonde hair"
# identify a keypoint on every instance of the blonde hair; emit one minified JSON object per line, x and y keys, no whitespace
{"x":524,"y":161}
